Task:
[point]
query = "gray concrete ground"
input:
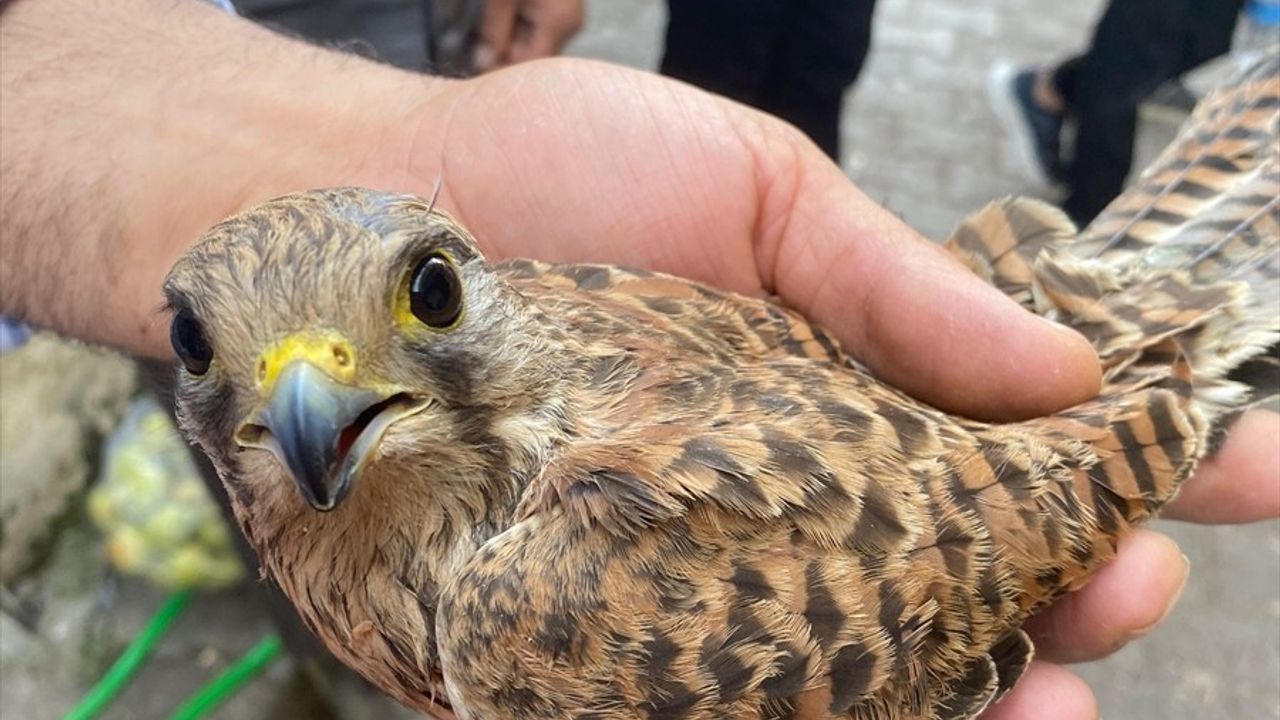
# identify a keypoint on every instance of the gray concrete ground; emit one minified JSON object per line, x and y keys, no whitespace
{"x":920,"y":139}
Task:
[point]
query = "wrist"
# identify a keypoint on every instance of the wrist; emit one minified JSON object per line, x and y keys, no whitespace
{"x":315,"y":118}
{"x":167,"y":118}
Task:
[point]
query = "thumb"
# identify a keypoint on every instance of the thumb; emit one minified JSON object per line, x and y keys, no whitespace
{"x":905,"y":307}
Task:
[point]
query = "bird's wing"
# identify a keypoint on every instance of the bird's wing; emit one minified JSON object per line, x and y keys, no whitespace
{"x":832,"y":552}
{"x":1190,"y":252}
{"x":688,"y":315}
{"x":786,"y":550}
{"x":751,"y":526}
{"x":1000,"y":243}
{"x":710,"y":615}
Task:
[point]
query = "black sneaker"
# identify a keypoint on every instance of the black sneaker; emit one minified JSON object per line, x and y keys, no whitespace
{"x":1036,"y":132}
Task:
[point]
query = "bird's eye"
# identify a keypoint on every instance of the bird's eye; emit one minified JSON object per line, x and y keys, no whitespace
{"x":435,"y":292}
{"x":187,"y":337}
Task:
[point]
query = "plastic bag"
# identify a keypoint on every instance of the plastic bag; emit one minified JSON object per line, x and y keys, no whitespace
{"x":159,"y":519}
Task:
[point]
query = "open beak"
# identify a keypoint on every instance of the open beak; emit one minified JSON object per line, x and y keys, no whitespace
{"x":322,"y":428}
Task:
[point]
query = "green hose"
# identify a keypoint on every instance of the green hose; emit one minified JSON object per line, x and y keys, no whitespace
{"x":225,"y":685}
{"x":101,"y":695}
{"x":207,"y":699}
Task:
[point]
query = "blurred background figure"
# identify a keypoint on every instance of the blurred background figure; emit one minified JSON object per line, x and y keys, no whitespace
{"x":791,"y":58}
{"x":1136,"y":47}
{"x":443,"y":37}
{"x":515,"y":31}
{"x":397,"y":32}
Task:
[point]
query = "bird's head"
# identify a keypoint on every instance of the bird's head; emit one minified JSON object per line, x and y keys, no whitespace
{"x":326,"y":334}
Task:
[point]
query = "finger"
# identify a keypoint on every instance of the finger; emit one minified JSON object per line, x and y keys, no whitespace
{"x":533,"y":39}
{"x":497,"y":27}
{"x":1124,"y":601}
{"x":917,"y":317}
{"x":1046,"y":692}
{"x":1241,"y":482}
{"x":545,"y":30}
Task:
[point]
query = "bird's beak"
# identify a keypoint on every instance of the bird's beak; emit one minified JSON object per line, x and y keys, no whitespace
{"x":316,"y":419}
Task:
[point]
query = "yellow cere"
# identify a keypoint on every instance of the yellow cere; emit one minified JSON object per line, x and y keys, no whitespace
{"x":328,"y":351}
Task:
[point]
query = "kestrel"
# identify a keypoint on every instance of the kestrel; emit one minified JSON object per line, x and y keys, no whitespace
{"x":519,"y":490}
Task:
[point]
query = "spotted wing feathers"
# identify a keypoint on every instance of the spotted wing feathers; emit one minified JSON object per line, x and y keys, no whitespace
{"x":782,"y":536}
{"x":1191,"y":252}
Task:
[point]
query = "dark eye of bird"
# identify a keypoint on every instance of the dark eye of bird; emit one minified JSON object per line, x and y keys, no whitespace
{"x":435,"y":292}
{"x":189,"y":342}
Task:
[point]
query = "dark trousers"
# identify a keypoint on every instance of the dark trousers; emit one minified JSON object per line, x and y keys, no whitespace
{"x":791,"y":58}
{"x":1137,"y":46}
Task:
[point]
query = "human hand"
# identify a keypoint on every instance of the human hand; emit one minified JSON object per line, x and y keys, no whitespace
{"x":556,"y":159}
{"x":560,"y":160}
{"x":513,"y":31}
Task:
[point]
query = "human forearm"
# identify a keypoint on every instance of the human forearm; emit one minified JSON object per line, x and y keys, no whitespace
{"x":129,"y":130}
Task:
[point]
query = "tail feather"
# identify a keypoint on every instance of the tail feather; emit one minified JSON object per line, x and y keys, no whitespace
{"x":1219,"y":166}
{"x":1000,"y":242}
{"x":1177,"y":286}
{"x":1196,"y":241}
{"x":1191,"y":252}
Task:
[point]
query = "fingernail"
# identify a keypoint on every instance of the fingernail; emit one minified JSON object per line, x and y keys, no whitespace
{"x":1058,"y":327}
{"x":1173,"y":602}
{"x":1070,"y":338}
{"x":1077,"y":356}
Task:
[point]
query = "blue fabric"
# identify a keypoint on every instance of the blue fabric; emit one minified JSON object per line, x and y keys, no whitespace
{"x":13,"y":334}
{"x":1264,"y":12}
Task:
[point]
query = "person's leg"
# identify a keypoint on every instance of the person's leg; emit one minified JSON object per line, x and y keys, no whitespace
{"x":824,"y":45}
{"x":724,"y":46}
{"x":1136,"y":46}
{"x":1030,"y":103}
{"x":391,"y":31}
{"x":1057,"y":84}
{"x":1209,"y":32}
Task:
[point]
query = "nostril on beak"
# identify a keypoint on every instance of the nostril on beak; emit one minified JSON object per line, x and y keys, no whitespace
{"x":252,"y":435}
{"x":340,"y":355}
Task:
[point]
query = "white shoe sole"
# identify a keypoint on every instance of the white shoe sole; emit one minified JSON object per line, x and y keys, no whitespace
{"x":1000,"y":95}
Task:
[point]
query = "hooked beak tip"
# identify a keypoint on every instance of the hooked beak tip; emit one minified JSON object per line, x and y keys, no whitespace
{"x":304,"y":424}
{"x":323,"y":431}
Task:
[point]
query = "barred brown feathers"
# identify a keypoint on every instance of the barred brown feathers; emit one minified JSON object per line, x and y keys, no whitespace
{"x":604,"y":494}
